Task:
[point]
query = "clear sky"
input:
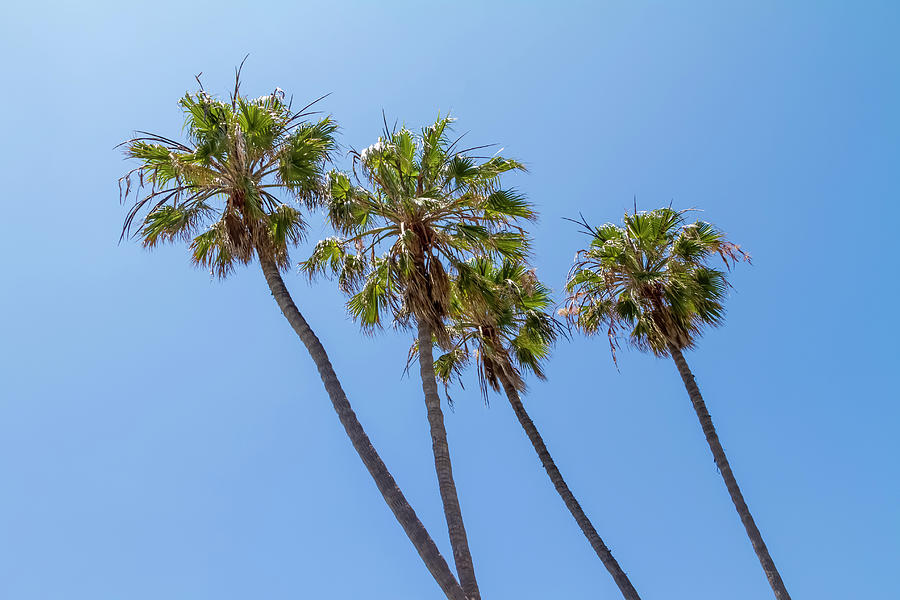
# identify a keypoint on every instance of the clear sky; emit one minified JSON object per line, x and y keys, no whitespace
{"x":165,"y":435}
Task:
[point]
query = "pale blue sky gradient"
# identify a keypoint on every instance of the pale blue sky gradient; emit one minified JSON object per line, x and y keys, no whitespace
{"x":165,"y":435}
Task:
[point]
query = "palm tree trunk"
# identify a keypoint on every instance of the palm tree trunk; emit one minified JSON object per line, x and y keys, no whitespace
{"x":565,"y":493}
{"x":712,"y":439}
{"x":394,"y":498}
{"x":458,"y":540}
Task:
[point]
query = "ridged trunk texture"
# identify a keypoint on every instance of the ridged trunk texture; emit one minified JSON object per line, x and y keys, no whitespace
{"x":718,"y":452}
{"x":458,"y":540}
{"x":391,"y":493}
{"x":565,"y":493}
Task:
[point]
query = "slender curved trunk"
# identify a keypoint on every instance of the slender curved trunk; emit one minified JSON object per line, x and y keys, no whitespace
{"x":565,"y":493}
{"x":394,"y":498}
{"x":458,"y":540}
{"x":718,"y":452}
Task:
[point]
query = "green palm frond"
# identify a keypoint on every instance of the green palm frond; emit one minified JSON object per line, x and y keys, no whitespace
{"x":211,"y":250}
{"x":377,"y":296}
{"x":509,"y":203}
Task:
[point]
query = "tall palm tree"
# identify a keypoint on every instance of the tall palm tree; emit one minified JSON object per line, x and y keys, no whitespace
{"x":500,"y":321}
{"x":652,"y":278}
{"x":234,"y":189}
{"x":414,"y":209}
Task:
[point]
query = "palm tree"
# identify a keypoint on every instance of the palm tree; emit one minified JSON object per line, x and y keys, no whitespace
{"x":222,"y":189}
{"x":425,"y":207}
{"x":652,"y":278}
{"x":499,"y":321}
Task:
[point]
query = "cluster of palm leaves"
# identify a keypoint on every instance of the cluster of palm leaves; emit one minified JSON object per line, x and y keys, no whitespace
{"x":428,"y":237}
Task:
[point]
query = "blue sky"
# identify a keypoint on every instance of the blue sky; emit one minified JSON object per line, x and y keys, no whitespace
{"x":164,"y":435}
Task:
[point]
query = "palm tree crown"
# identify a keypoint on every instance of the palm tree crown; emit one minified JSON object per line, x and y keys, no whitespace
{"x":651,"y":277}
{"x":219,"y":189}
{"x":499,"y":320}
{"x":426,"y":207}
